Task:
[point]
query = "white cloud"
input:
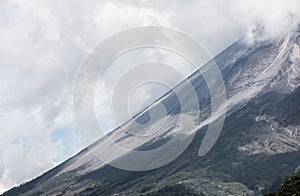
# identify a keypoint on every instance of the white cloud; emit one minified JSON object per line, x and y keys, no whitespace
{"x":25,"y":147}
{"x":43,"y":43}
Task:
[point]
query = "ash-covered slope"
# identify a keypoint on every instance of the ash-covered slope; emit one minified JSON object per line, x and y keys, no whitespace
{"x":258,"y":146}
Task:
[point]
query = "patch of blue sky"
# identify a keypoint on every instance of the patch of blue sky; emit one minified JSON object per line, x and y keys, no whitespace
{"x":68,"y":141}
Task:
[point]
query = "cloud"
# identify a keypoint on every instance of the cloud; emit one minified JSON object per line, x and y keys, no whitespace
{"x":43,"y":43}
{"x":217,"y":24}
{"x":25,"y":148}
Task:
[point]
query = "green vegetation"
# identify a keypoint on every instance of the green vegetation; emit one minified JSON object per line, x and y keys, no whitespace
{"x":174,"y":190}
{"x":196,"y":183}
{"x":291,"y":187}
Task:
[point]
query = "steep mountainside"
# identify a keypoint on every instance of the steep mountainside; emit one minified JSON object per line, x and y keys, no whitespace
{"x":257,"y":149}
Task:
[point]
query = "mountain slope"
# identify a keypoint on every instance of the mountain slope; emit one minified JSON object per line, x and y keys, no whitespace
{"x":258,"y":146}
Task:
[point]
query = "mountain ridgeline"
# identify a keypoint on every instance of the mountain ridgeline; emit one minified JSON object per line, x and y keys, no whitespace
{"x":257,"y":150}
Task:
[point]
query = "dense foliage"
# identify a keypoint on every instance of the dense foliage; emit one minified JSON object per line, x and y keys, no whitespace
{"x":290,"y":187}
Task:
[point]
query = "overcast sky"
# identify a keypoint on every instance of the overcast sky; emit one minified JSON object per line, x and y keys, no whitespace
{"x":42,"y":43}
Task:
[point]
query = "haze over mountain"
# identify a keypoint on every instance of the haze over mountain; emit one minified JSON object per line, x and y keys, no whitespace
{"x":257,"y":149}
{"x":43,"y":43}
